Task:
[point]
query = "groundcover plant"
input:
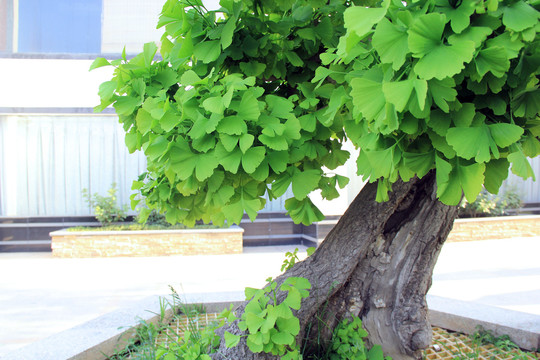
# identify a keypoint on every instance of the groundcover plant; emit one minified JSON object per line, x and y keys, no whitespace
{"x":441,"y":96}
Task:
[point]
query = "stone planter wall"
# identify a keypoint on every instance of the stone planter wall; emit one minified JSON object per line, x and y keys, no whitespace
{"x":495,"y":228}
{"x":83,"y":244}
{"x":464,"y":229}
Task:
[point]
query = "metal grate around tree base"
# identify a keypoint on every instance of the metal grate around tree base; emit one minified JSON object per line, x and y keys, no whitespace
{"x":451,"y":345}
{"x":446,"y":345}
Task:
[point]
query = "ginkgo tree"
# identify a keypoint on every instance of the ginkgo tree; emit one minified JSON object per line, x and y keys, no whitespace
{"x":441,"y":97}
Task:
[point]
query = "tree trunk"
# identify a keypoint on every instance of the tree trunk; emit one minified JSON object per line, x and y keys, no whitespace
{"x":377,"y":264}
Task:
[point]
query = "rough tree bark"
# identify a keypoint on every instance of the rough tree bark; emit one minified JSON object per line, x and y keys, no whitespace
{"x":376,"y":263}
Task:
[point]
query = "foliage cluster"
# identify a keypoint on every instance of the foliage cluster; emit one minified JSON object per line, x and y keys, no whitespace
{"x":105,"y":208}
{"x":487,"y":204}
{"x":218,"y":116}
{"x":259,"y":96}
{"x":444,"y":85}
{"x":272,"y":326}
{"x":348,"y":343}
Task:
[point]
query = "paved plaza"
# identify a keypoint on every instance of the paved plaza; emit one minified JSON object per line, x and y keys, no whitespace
{"x":41,"y":295}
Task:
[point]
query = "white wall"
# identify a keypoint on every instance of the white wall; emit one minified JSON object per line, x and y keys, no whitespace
{"x":50,"y":83}
{"x":45,"y":162}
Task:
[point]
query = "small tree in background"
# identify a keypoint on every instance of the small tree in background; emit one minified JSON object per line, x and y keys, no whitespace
{"x":441,"y":97}
{"x":105,"y":208}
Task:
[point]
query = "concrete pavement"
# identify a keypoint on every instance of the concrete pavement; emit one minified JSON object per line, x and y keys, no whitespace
{"x":41,"y":295}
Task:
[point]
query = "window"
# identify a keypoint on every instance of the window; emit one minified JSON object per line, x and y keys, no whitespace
{"x":59,"y":26}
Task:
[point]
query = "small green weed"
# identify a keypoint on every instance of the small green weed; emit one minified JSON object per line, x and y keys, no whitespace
{"x":502,"y":343}
{"x":292,"y":257}
{"x":502,"y":346}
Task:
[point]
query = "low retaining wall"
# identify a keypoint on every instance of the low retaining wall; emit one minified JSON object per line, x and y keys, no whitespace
{"x":488,"y":228}
{"x":495,"y":228}
{"x":82,"y":244}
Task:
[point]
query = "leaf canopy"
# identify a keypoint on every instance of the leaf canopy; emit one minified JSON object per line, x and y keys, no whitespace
{"x":258,"y":97}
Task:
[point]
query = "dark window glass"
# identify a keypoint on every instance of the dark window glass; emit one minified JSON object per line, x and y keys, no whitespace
{"x":60,"y":26}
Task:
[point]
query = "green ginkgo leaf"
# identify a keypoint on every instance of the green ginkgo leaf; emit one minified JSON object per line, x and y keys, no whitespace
{"x":253,"y":158}
{"x":419,"y":163}
{"x":245,"y":142}
{"x":520,"y":165}
{"x":464,"y":116}
{"x":442,"y":92}
{"x":126,"y":105}
{"x":368,"y":98}
{"x":476,"y":34}
{"x":227,"y":33}
{"x":471,"y":178}
{"x":391,"y":42}
{"x":436,"y":59}
{"x":425,"y":35}
{"x":303,"y":211}
{"x":460,"y":15}
{"x":398,"y":93}
{"x":304,"y":182}
{"x":99,"y":62}
{"x":230,"y":160}
{"x":445,"y":60}
{"x":471,"y":142}
{"x":439,"y":122}
{"x":496,"y":172}
{"x":361,"y":19}
{"x":381,"y":162}
{"x":519,"y":16}
{"x":144,"y":121}
{"x":274,"y":142}
{"x":455,"y":179}
{"x":183,"y":160}
{"x":214,"y":104}
{"x":207,"y":51}
{"x":278,"y":160}
{"x":107,"y":89}
{"x":248,"y":108}
{"x":252,"y":68}
{"x":232,"y":125}
{"x":492,"y":59}
{"x":505,"y":134}
{"x":531,"y":146}
{"x":189,"y":78}
{"x":206,"y":164}
{"x":511,"y":45}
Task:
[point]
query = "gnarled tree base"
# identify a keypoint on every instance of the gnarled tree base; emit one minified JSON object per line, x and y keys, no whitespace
{"x":376,"y":263}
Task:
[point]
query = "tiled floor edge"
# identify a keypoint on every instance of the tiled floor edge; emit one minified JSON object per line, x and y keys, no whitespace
{"x":465,"y":316}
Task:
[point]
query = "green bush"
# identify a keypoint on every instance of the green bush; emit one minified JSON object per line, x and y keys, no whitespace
{"x":487,"y":204}
{"x":105,"y":208}
{"x":151,"y":217}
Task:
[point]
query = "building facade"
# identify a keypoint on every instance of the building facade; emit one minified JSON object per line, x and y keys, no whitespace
{"x":52,"y":144}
